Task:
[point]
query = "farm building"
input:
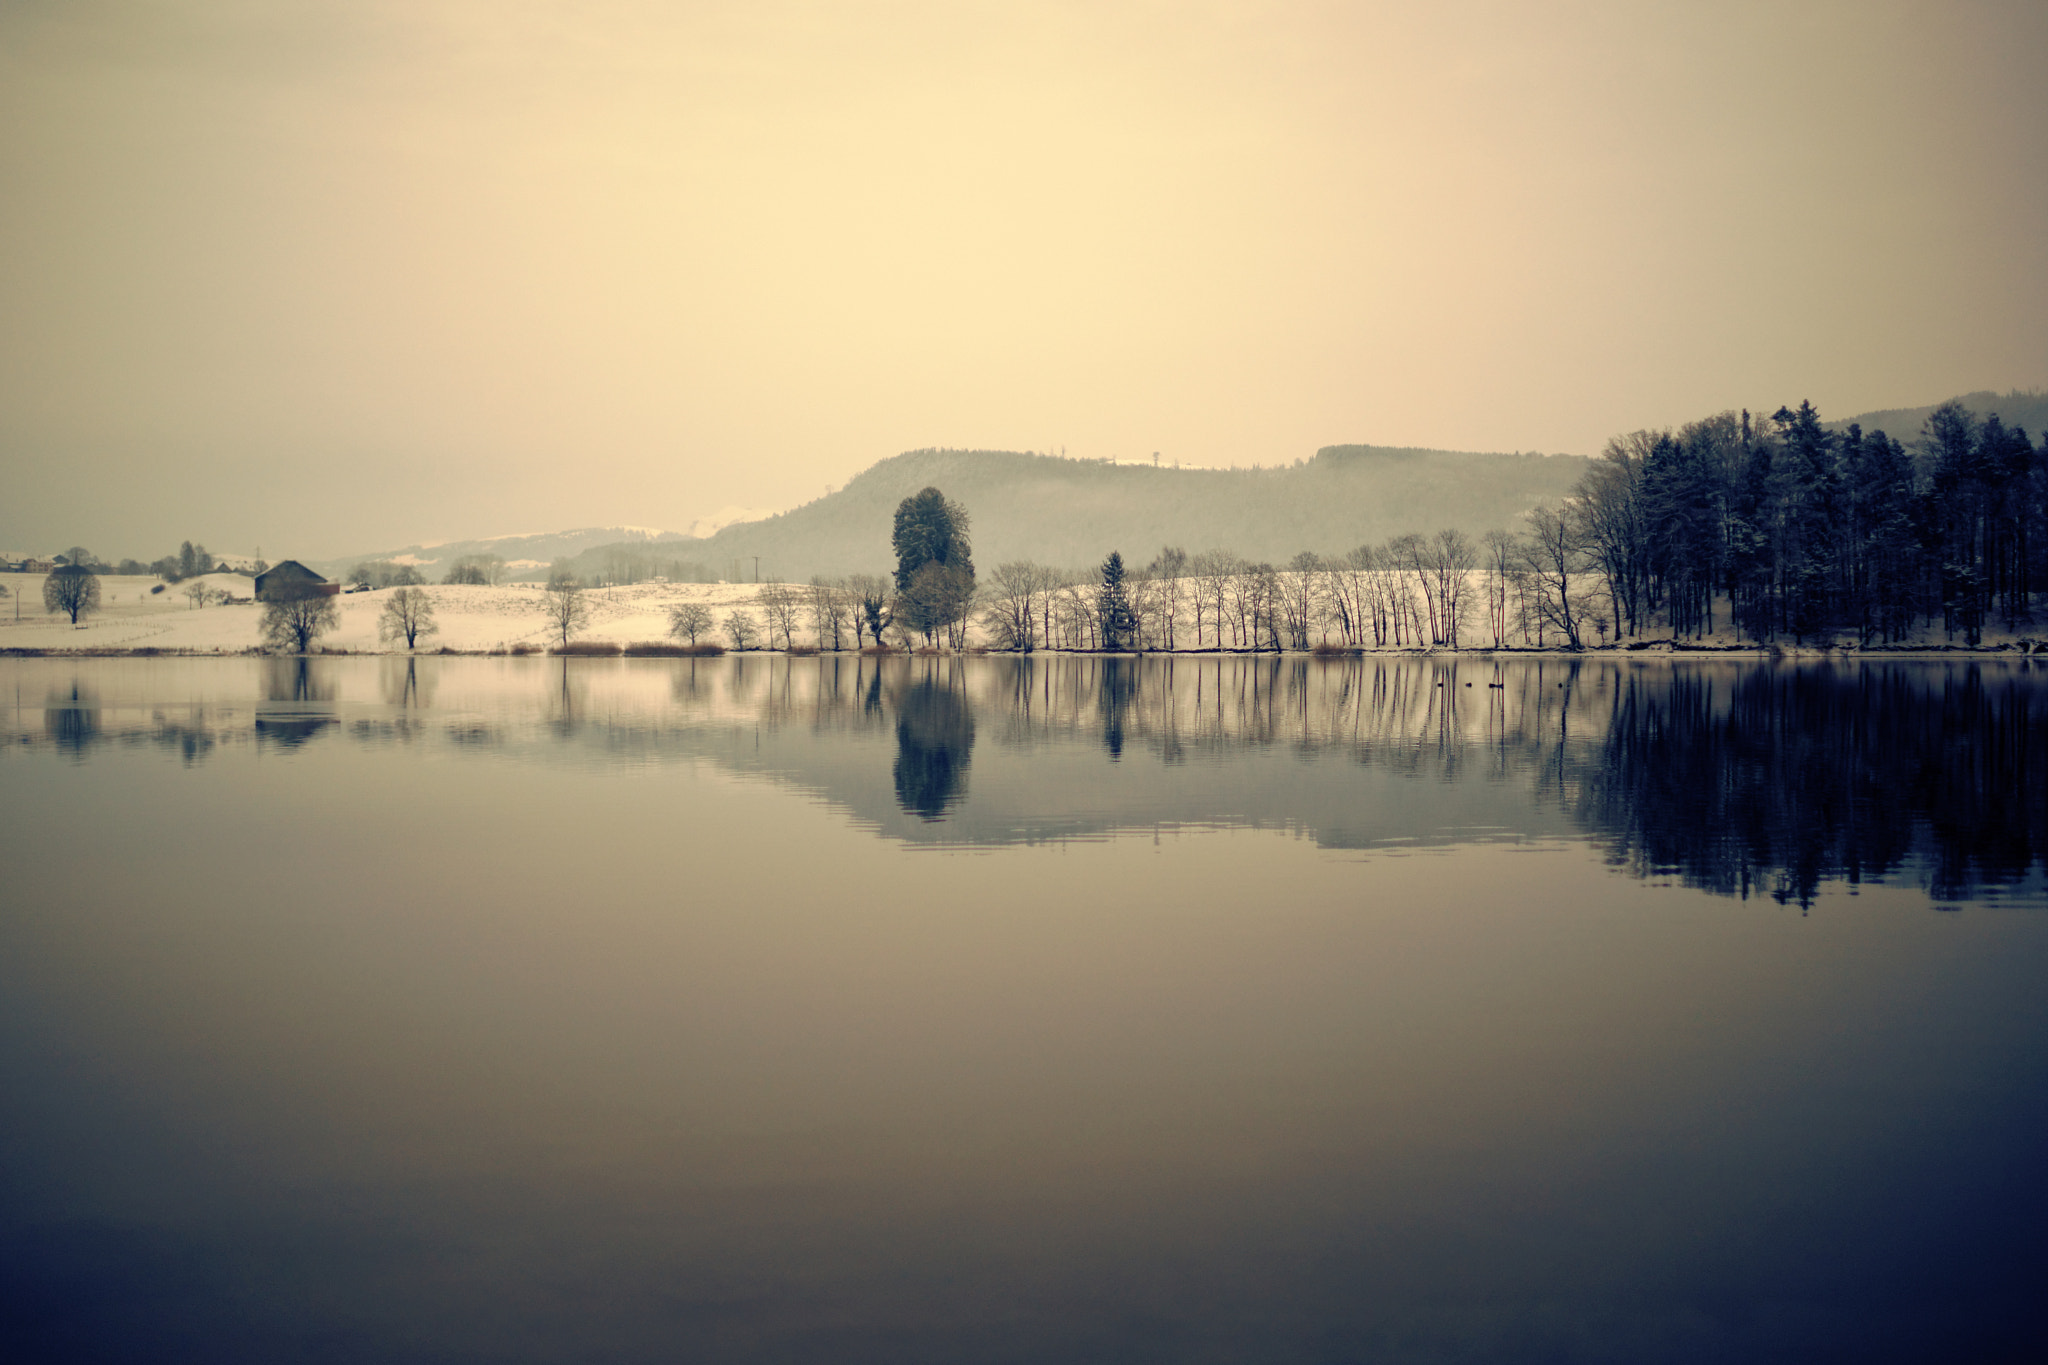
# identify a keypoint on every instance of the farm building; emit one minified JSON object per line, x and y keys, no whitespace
{"x":292,"y":578}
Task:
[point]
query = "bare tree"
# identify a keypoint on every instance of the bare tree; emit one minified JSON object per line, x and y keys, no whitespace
{"x":1362,"y":590}
{"x":1502,"y":563}
{"x":1210,"y":568}
{"x":408,"y":613}
{"x":782,"y":605}
{"x":742,"y":629}
{"x":872,"y":611}
{"x":199,"y":595}
{"x":1451,"y":560}
{"x":1076,"y":610}
{"x":688,"y":620}
{"x":939,"y":598}
{"x":1610,"y":510}
{"x":478,"y":570}
{"x":72,"y":589}
{"x":1297,"y":602}
{"x":1556,"y":559}
{"x":1266,"y":607}
{"x":385,"y":573}
{"x":295,"y":615}
{"x":1148,"y":609}
{"x":1011,"y":617}
{"x":1169,"y":571}
{"x":829,"y":606}
{"x":562,"y":603}
{"x":1242,"y":579}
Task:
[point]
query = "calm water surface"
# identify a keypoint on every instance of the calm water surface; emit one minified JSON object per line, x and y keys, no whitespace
{"x":991,"y":1010}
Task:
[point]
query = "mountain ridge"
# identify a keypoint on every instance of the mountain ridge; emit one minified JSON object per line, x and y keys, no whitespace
{"x":1071,"y":512}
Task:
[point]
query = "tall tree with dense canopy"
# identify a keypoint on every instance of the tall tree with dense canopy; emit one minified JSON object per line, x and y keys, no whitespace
{"x":930,"y":529}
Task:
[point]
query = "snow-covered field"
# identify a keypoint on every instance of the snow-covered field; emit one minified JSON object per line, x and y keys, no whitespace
{"x":132,"y":617}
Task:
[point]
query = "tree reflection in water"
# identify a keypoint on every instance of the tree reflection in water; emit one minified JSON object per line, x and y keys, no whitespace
{"x":934,"y":744}
{"x":1735,"y":777}
{"x":1119,"y":691}
{"x":298,"y":702}
{"x":71,"y":720}
{"x":1780,"y":779}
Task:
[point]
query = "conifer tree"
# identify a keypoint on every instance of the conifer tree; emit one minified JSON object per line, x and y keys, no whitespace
{"x":1113,"y":604}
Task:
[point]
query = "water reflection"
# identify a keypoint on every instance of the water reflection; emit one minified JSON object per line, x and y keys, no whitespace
{"x":404,"y":685}
{"x":934,"y":744}
{"x":299,"y":680}
{"x":1784,"y":779}
{"x":1737,"y":778}
{"x":568,"y":699}
{"x":71,"y":719}
{"x":298,"y":702}
{"x":1118,"y":694}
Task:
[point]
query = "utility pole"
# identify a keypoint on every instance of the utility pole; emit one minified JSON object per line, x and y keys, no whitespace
{"x":757,"y":568}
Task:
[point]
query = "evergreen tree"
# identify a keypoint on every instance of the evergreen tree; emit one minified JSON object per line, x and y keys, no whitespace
{"x":1810,"y":567}
{"x":1884,"y":576}
{"x":930,"y":529}
{"x":1113,"y":605}
{"x":2007,"y":462}
{"x":1956,"y":507}
{"x":1753,"y":540}
{"x":1683,"y":504}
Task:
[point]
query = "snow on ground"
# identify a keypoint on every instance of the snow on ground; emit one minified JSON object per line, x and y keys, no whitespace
{"x":132,"y":617}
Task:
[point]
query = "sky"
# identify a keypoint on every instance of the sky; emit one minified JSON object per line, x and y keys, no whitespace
{"x":323,"y":279}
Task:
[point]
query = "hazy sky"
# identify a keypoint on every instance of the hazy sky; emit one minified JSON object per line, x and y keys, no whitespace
{"x":328,"y":277}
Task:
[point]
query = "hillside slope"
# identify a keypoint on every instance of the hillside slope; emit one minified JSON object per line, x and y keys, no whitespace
{"x":539,"y":548}
{"x":2020,"y":408}
{"x":1073,"y":512}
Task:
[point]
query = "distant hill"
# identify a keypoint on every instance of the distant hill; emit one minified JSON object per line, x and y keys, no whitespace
{"x":1073,"y":512}
{"x":541,"y":548}
{"x":2021,"y":408}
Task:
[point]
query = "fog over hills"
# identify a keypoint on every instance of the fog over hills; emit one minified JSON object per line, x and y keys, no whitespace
{"x":2020,"y":408}
{"x":539,"y":548}
{"x":1072,"y":512}
{"x":535,"y":550}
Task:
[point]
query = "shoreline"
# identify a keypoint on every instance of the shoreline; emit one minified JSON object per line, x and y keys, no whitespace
{"x":1660,"y":649}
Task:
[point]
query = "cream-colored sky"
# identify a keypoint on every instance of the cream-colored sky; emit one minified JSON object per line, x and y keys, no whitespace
{"x":325,"y":277}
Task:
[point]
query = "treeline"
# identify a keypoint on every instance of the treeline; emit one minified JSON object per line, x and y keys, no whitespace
{"x":1776,"y":530}
{"x":615,"y":566}
{"x":1795,"y":531}
{"x":190,"y":561}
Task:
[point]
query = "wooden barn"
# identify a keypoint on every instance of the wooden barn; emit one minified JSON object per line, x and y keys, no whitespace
{"x":292,"y":578}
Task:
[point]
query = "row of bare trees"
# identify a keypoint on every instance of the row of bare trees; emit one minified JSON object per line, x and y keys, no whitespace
{"x":1437,"y":591}
{"x":1412,"y":591}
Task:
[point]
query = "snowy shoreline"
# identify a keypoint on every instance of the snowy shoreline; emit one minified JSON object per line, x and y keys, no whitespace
{"x":1652,"y":650}
{"x":142,"y":617}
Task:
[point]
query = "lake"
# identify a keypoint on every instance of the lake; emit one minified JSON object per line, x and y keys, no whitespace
{"x":1080,"y":1009}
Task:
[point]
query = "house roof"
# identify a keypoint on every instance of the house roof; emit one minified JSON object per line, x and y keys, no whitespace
{"x":291,"y":568}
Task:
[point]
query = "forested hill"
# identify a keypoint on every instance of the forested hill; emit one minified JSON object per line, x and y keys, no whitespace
{"x":1071,"y":513}
{"x":2020,"y":408}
